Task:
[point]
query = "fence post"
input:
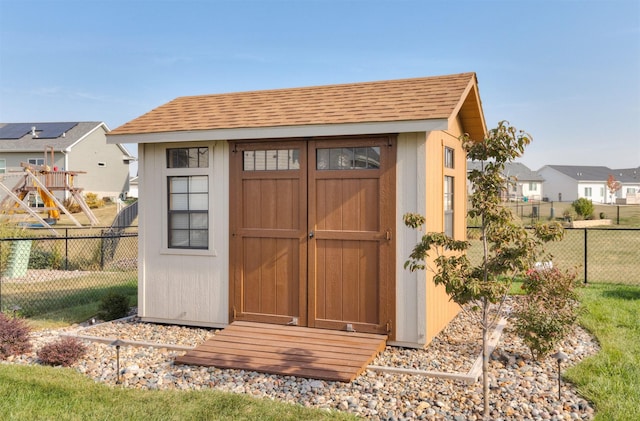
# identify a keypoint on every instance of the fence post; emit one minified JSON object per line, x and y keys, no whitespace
{"x":585,"y":255}
{"x":66,"y":249}
{"x":618,"y":215}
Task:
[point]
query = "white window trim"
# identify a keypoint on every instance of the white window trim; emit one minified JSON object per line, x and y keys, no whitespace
{"x":167,"y":172}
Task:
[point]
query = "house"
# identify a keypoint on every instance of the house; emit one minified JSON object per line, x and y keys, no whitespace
{"x":566,"y":183}
{"x":521,"y":184}
{"x":285,"y":206}
{"x":78,"y":146}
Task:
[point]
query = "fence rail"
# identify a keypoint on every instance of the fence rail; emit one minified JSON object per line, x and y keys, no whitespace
{"x":609,"y":255}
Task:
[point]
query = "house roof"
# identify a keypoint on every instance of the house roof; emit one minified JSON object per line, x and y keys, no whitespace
{"x":596,"y":173}
{"x":511,"y":169}
{"x":62,"y":136}
{"x":416,"y":103}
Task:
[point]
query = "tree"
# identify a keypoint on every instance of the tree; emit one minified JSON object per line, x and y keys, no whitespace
{"x":583,"y":207}
{"x":613,"y":185}
{"x":507,"y":248}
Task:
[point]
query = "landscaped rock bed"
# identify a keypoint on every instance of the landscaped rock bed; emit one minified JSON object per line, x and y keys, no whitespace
{"x":520,"y":387}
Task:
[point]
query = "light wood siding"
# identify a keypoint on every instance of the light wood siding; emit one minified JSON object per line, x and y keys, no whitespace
{"x":183,"y":286}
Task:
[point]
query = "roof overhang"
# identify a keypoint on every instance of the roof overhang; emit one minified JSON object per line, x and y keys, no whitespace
{"x":284,"y":131}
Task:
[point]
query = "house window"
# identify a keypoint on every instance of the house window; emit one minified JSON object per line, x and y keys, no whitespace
{"x":188,"y":211}
{"x":271,"y":160}
{"x":587,"y":192}
{"x":448,"y":206}
{"x":188,"y":198}
{"x":533,"y":186}
{"x":188,"y":157}
{"x":366,"y":158}
{"x":36,"y":161}
{"x":448,"y":157}
{"x":3,"y":166}
{"x":630,"y":190}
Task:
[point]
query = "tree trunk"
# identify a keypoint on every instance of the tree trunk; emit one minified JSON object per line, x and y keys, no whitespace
{"x":485,"y":358}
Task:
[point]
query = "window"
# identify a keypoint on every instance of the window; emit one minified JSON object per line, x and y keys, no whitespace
{"x":36,"y":161}
{"x":3,"y":166}
{"x":533,"y":186}
{"x":448,"y":157}
{"x":448,"y":206}
{"x":271,"y":160}
{"x":587,"y":192}
{"x":366,"y":158}
{"x":188,"y":158}
{"x":630,"y":190}
{"x":188,"y":198}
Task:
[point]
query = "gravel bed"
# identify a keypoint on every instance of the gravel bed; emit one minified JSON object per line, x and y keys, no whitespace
{"x":521,"y":389}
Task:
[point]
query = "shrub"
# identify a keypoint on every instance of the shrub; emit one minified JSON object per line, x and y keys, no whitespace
{"x":65,"y":351}
{"x":583,"y":207}
{"x":547,"y":311}
{"x":14,"y":336}
{"x":92,"y":201}
{"x":113,"y":306}
{"x":71,"y":205}
{"x":602,"y":215}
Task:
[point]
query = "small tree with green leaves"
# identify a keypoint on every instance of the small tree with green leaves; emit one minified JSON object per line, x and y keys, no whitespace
{"x":583,"y":207}
{"x":507,"y":248}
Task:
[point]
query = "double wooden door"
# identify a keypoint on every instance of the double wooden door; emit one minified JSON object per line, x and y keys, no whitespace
{"x":312,"y":233}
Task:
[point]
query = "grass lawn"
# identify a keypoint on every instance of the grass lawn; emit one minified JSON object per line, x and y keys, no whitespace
{"x":46,"y":393}
{"x":611,"y":379}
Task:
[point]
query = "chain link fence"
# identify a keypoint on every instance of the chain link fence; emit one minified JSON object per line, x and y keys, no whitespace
{"x":42,"y":274}
{"x":604,"y":255}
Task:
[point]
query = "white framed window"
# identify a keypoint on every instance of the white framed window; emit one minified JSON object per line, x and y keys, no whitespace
{"x":448,"y":157}
{"x":533,"y":186}
{"x":3,"y":166}
{"x":448,"y":206}
{"x":36,"y":161}
{"x":587,"y":192}
{"x":187,"y":177}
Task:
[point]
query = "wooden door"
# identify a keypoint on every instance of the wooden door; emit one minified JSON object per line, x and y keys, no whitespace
{"x":268,"y":221}
{"x":351,"y":223}
{"x":312,"y":227}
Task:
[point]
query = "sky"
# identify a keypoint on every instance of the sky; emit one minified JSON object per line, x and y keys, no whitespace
{"x":566,"y":72}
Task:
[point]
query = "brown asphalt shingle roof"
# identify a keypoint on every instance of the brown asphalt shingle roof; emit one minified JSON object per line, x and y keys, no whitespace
{"x":394,"y":100}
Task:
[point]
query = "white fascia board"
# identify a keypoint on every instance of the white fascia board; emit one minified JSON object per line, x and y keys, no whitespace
{"x":284,"y":132}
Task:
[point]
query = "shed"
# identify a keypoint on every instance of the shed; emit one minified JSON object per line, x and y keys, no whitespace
{"x":285,"y":206}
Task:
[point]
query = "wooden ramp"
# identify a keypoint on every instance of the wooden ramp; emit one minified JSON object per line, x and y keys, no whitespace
{"x":288,"y":350}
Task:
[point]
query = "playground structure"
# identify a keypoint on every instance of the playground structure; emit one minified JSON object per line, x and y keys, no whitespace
{"x":42,"y":181}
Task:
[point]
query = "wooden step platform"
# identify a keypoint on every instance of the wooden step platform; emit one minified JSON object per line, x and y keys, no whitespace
{"x":288,"y":350}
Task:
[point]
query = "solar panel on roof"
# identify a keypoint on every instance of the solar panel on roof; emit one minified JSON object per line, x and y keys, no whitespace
{"x":53,"y":130}
{"x":15,"y":130}
{"x":43,"y":130}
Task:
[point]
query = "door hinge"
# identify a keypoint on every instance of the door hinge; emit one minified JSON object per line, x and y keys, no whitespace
{"x":388,"y":235}
{"x":293,"y":322}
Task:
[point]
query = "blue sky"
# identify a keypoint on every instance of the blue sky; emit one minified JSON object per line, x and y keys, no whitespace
{"x":567,"y":72}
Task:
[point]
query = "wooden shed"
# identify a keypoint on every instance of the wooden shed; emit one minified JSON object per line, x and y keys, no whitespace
{"x":285,"y":206}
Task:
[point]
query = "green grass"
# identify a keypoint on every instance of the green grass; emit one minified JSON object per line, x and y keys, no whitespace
{"x":611,"y":379}
{"x":46,"y":393}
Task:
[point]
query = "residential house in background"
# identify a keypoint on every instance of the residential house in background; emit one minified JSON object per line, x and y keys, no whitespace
{"x":73,"y":146}
{"x":521,"y":184}
{"x":566,"y":183}
{"x":285,"y":206}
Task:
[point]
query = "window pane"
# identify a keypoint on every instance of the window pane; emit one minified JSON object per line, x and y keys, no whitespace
{"x":198,"y":184}
{"x":188,"y":158}
{"x":179,"y":202}
{"x":179,"y":184}
{"x":199,"y":239}
{"x":199,"y":221}
{"x":179,"y":221}
{"x":271,"y":160}
{"x":179,"y":238}
{"x":198,"y":201}
{"x":348,"y":158}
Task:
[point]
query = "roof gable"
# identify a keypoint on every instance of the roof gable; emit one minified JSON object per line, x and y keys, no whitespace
{"x":405,"y":100}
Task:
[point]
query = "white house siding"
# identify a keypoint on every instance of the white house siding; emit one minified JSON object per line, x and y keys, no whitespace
{"x":598,"y":191}
{"x":183,"y":286}
{"x":532,"y":194}
{"x":557,"y":186}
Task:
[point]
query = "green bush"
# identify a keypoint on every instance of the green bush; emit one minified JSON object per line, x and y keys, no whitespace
{"x":14,"y":336}
{"x":92,"y":201}
{"x":583,"y":207}
{"x":65,"y":351}
{"x":548,"y":311}
{"x":113,"y":306}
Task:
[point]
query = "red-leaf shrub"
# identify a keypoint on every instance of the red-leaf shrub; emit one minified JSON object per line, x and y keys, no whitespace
{"x":65,"y":351}
{"x":14,"y":336}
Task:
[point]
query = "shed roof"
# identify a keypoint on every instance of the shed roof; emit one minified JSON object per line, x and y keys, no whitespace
{"x":404,"y":100}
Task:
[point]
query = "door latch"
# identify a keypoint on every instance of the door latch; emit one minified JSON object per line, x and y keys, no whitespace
{"x":311,"y":234}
